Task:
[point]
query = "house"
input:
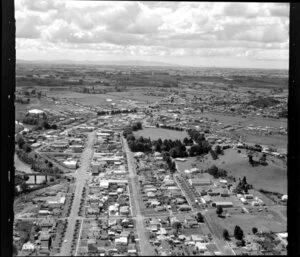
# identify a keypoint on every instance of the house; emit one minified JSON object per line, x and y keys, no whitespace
{"x":184,"y":207}
{"x":131,"y":248}
{"x":121,"y":241}
{"x":201,"y":247}
{"x":225,"y":193}
{"x":124,"y":210}
{"x":199,"y":181}
{"x":28,"y":247}
{"x":206,"y":199}
{"x":197,"y":238}
{"x":71,"y":164}
{"x":95,"y":170}
{"x":248,"y":196}
{"x":223,"y":204}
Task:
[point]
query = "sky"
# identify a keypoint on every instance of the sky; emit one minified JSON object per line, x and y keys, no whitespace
{"x":204,"y":34}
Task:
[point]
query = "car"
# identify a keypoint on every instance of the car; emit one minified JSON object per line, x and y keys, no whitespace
{"x":65,"y":241}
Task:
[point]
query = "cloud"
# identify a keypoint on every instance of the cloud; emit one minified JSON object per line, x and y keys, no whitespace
{"x":280,"y":10}
{"x":28,"y":27}
{"x":155,"y":28}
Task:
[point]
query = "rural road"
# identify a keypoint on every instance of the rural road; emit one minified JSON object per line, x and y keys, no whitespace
{"x":145,"y":247}
{"x":81,"y":177}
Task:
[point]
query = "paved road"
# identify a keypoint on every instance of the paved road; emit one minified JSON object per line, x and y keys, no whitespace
{"x":81,"y":177}
{"x":146,"y":248}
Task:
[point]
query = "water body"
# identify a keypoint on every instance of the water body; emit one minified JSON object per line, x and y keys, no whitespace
{"x":21,"y":166}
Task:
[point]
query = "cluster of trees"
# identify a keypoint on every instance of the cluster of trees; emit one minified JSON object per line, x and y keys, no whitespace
{"x":137,"y":126}
{"x":256,"y":148}
{"x":202,"y":146}
{"x":139,"y":145}
{"x":46,"y":125}
{"x":199,"y":217}
{"x":243,"y":186}
{"x":22,"y":144}
{"x":37,"y":163}
{"x":168,"y":160}
{"x":169,"y":127}
{"x":262,"y":160}
{"x":188,"y":141}
{"x":219,"y":210}
{"x":238,"y":234}
{"x":22,"y":101}
{"x":216,"y":172}
{"x":99,"y":113}
{"x":214,"y":153}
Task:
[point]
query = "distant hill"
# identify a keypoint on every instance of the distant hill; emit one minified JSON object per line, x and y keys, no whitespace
{"x":87,"y":62}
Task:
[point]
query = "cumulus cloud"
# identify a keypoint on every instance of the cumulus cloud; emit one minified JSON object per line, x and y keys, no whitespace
{"x":155,"y":28}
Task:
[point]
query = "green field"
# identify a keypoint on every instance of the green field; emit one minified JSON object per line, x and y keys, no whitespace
{"x":266,"y":221}
{"x":156,"y":133}
{"x":272,"y":177}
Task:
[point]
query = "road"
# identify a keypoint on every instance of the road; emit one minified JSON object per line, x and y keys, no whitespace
{"x":217,"y":235}
{"x":81,"y":177}
{"x":145,"y":247}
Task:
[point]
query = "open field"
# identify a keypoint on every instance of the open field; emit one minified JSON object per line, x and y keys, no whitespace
{"x":42,"y":103}
{"x":101,"y":99}
{"x":156,"y":133}
{"x":272,"y":177}
{"x":266,"y":221}
{"x":238,"y":119}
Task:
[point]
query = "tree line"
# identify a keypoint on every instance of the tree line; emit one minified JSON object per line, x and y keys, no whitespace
{"x":99,"y":113}
{"x":37,"y":163}
{"x":169,"y":127}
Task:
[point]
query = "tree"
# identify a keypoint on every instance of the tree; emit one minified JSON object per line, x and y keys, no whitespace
{"x":250,"y":159}
{"x":186,"y":141}
{"x":226,"y":234}
{"x":219,"y":210}
{"x":218,"y":150}
{"x":241,"y":243}
{"x":200,"y":217}
{"x":20,"y":141}
{"x":177,"y":226}
{"x":27,"y":148}
{"x":46,"y":125}
{"x":238,"y":233}
{"x":254,"y":230}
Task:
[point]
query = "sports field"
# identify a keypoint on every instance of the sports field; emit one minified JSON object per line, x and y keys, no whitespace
{"x":156,"y":133}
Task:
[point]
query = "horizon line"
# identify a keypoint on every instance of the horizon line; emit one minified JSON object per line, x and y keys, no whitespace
{"x":94,"y":62}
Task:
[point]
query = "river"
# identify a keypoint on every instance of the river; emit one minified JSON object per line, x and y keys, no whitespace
{"x":21,"y":166}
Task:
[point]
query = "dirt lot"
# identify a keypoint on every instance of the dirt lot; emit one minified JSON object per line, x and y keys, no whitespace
{"x":156,"y":133}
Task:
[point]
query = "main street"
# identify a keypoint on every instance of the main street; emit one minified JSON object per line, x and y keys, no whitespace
{"x":145,"y":247}
{"x":81,"y":177}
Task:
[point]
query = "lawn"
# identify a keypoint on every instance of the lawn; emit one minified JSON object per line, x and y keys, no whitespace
{"x":156,"y":133}
{"x":272,"y":177}
{"x":268,"y":221}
